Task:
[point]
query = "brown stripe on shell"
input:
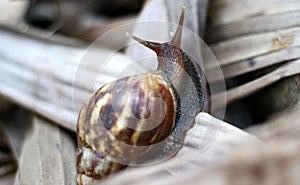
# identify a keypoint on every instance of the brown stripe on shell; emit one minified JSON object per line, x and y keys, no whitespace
{"x":147,"y":85}
{"x":165,"y":127}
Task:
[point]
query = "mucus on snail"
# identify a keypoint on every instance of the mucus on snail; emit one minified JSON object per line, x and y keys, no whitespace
{"x":142,"y":117}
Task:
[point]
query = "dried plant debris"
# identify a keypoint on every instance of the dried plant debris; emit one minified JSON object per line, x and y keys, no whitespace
{"x":210,"y":141}
{"x":12,"y":12}
{"x":253,"y":163}
{"x":290,"y":69}
{"x":47,"y":157}
{"x":257,"y":164}
{"x":228,"y":18}
{"x":261,"y":38}
{"x":45,"y":153}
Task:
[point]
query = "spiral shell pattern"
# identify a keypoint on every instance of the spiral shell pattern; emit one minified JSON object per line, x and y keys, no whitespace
{"x":138,"y":110}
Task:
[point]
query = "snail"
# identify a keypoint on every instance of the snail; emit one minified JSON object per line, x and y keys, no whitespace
{"x":143,"y":117}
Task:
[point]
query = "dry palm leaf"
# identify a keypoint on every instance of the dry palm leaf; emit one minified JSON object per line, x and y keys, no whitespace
{"x":222,"y":12}
{"x":251,"y":162}
{"x":12,"y":12}
{"x":252,"y":25}
{"x":38,"y":74}
{"x":48,"y":156}
{"x":240,"y":48}
{"x":256,"y":164}
{"x":289,"y":69}
{"x":209,"y":141}
{"x":228,"y":21}
{"x":259,"y":62}
{"x":271,"y":38}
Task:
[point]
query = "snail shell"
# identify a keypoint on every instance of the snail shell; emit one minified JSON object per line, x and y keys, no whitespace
{"x":143,"y":117}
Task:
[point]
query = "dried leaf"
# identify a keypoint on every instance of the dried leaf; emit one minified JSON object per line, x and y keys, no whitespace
{"x":260,"y":163}
{"x":241,"y":48}
{"x":42,"y":79}
{"x":48,"y":156}
{"x":12,"y":12}
{"x":207,"y":143}
{"x":261,"y":61}
{"x":241,"y":91}
{"x":224,"y":12}
{"x":253,"y":25}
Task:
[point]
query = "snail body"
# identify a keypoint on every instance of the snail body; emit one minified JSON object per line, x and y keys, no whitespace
{"x":143,"y":117}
